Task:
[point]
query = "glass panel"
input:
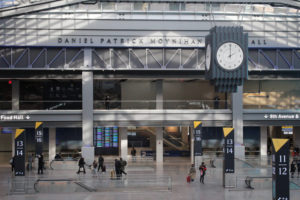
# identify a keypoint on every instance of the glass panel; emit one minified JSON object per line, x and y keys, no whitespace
{"x":5,"y":95}
{"x":138,"y":6}
{"x":50,"y":95}
{"x":272,"y":94}
{"x":174,"y":6}
{"x":124,"y":6}
{"x":108,"y":6}
{"x":157,"y":6}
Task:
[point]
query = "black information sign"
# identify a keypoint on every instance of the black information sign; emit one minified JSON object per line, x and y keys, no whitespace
{"x":19,"y":159}
{"x":280,"y":169}
{"x":39,"y":138}
{"x":228,"y":150}
{"x":198,"y":138}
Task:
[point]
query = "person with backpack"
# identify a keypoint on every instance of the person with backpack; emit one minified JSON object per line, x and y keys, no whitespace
{"x":81,"y":164}
{"x":123,"y":164}
{"x":202,"y":169}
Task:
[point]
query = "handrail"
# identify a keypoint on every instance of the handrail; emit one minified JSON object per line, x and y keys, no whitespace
{"x":249,"y":180}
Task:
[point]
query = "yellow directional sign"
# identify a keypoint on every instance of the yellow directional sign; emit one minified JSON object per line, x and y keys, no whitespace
{"x":278,"y":143}
{"x":227,"y":131}
{"x":197,"y":123}
{"x":37,"y":124}
{"x":19,"y":132}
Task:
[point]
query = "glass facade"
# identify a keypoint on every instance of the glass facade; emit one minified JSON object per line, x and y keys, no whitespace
{"x":5,"y":95}
{"x":50,"y":95}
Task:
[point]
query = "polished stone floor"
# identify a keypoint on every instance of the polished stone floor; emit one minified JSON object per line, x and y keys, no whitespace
{"x":145,"y":180}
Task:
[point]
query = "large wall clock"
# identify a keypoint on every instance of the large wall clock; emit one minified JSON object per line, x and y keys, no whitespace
{"x":226,"y":64}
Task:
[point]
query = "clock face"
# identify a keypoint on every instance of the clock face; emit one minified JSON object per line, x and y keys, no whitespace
{"x":208,"y":57}
{"x":230,"y":55}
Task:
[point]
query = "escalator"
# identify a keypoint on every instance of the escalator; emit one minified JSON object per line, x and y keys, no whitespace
{"x":169,"y":140}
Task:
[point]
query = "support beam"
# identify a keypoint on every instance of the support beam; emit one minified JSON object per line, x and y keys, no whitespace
{"x":263,"y":141}
{"x":87,"y":109}
{"x":124,"y":142}
{"x":159,"y":95}
{"x":192,"y":144}
{"x":237,"y":122}
{"x":52,"y":143}
{"x":15,"y":95}
{"x":159,"y":145}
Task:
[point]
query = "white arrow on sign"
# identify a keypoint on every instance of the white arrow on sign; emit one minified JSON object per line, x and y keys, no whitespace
{"x":266,"y":116}
{"x":27,"y":117}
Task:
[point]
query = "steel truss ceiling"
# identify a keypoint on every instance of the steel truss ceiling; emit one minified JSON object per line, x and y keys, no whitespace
{"x":137,"y":59}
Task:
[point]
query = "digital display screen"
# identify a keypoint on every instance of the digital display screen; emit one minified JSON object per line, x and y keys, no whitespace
{"x":106,"y":137}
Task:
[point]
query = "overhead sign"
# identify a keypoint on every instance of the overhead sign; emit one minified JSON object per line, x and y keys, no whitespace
{"x":228,"y":150}
{"x":271,"y":116}
{"x":280,"y":169}
{"x":287,"y":130}
{"x":14,"y":117}
{"x":281,"y":116}
{"x":39,"y":138}
{"x":198,"y":138}
{"x":19,"y":159}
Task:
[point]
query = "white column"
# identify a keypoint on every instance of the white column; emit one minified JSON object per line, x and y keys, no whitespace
{"x":124,"y":142}
{"x":159,"y":145}
{"x":237,"y":122}
{"x":52,"y":143}
{"x":263,"y":141}
{"x":87,"y":109}
{"x":192,"y":144}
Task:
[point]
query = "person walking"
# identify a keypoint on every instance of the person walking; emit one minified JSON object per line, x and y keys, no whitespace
{"x":123,"y":164}
{"x":41,"y":164}
{"x":192,"y":172}
{"x":202,"y":169}
{"x":133,"y":154}
{"x":293,"y":169}
{"x":118,"y":168}
{"x":30,"y":161}
{"x":100,"y":163}
{"x":81,"y":164}
{"x":12,"y":163}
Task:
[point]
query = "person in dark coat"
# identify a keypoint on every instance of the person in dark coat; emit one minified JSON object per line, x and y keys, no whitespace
{"x":107,"y":102}
{"x":133,"y":154}
{"x":81,"y":164}
{"x":202,"y":169}
{"x":118,"y":168}
{"x":122,"y":168}
{"x":41,"y":164}
{"x":100,"y":163}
